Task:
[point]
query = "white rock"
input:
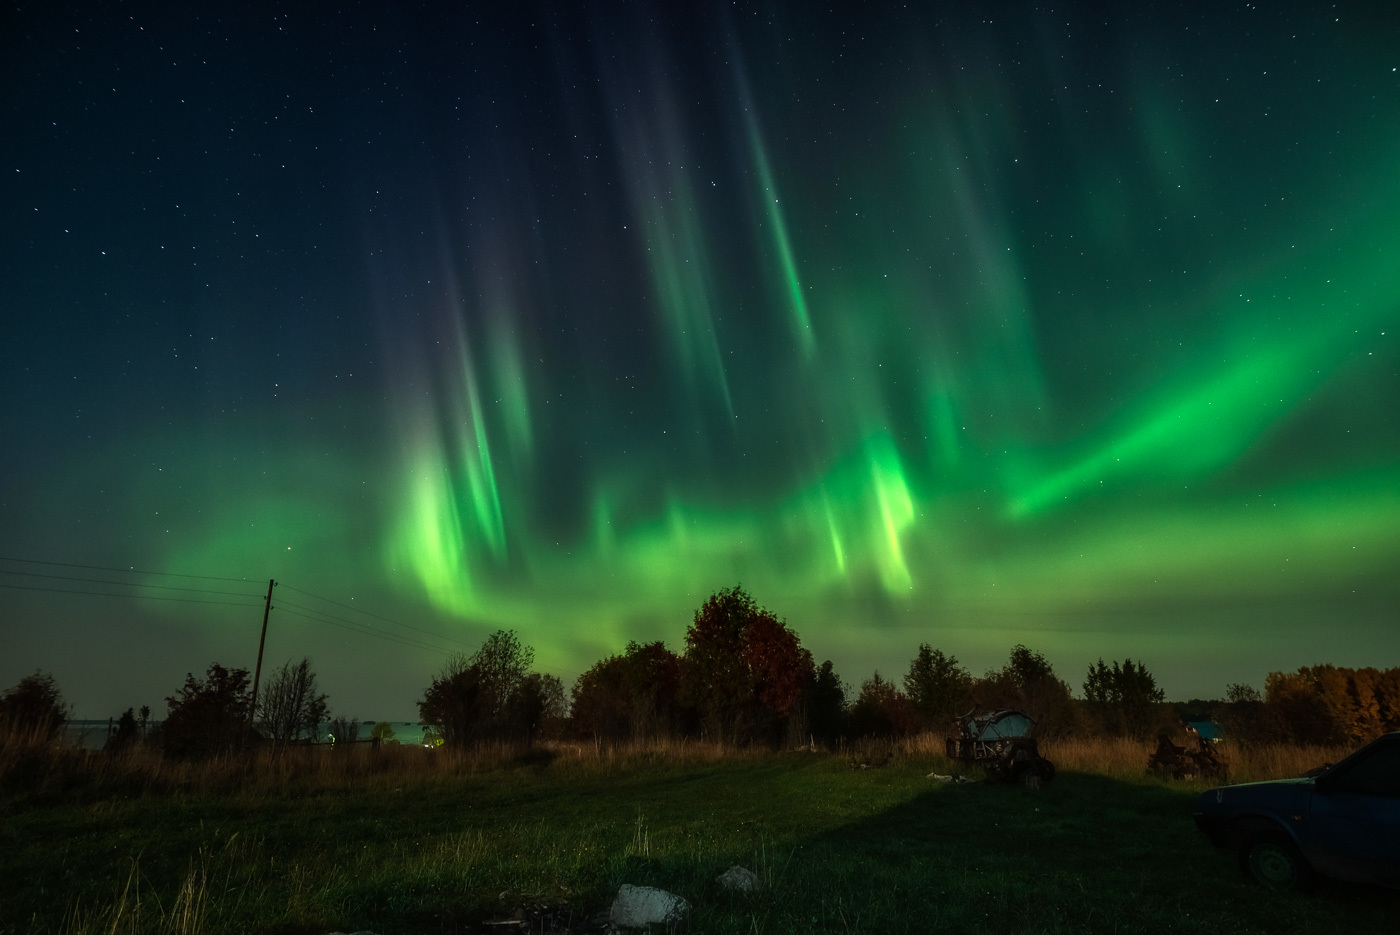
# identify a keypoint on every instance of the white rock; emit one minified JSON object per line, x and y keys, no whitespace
{"x":738,"y":878}
{"x":639,"y":906}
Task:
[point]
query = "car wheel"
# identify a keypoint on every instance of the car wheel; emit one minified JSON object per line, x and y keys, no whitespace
{"x":1272,"y":860}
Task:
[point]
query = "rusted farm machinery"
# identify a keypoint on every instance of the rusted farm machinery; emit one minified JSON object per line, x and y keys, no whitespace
{"x":1001,"y":742}
{"x":1176,"y":762}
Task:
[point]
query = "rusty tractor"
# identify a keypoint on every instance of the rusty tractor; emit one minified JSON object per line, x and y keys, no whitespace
{"x":1001,"y":742}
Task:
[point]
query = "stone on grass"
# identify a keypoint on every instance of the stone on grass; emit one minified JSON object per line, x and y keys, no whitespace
{"x":639,"y":906}
{"x":738,"y":878}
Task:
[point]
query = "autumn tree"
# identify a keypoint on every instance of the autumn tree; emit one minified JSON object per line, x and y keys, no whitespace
{"x":291,"y":707}
{"x":744,"y":671}
{"x":937,"y":687}
{"x":208,"y":715}
{"x":33,"y":708}
{"x":1123,"y":698}
{"x":1326,"y":704}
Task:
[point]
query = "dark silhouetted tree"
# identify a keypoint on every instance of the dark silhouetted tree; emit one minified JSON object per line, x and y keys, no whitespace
{"x":480,"y":698}
{"x":207,"y":716}
{"x":632,"y":696}
{"x":126,"y":734}
{"x":344,"y":730}
{"x":826,"y":705}
{"x":881,"y":710}
{"x":1028,"y":682}
{"x":1125,"y":699}
{"x":456,"y":704}
{"x":938,"y":687}
{"x":291,"y":708}
{"x":1245,"y":718}
{"x":33,"y":709}
{"x":537,"y":708}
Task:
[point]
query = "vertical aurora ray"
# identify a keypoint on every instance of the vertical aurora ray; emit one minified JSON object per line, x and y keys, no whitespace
{"x":1017,"y":411}
{"x":1076,"y":327}
{"x":673,"y":242}
{"x":777,"y":225}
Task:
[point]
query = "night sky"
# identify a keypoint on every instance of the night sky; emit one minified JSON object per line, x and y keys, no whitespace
{"x":1071,"y":325}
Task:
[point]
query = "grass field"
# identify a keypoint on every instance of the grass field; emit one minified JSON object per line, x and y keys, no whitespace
{"x":411,"y":841}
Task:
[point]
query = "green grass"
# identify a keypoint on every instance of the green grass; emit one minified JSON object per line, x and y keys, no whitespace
{"x":837,"y":850}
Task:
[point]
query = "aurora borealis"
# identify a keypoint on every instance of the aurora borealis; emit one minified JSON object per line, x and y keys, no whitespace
{"x":971,"y":325}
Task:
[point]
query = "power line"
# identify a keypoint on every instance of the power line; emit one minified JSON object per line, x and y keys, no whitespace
{"x":406,"y":626}
{"x":129,"y":571}
{"x":144,"y":597}
{"x":367,"y":613}
{"x":357,"y":629}
{"x":123,"y":584}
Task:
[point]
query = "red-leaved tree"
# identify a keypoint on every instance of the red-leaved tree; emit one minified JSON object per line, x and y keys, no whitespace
{"x":744,"y":672}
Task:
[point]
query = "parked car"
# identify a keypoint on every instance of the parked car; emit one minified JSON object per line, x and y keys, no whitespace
{"x":1343,"y":822}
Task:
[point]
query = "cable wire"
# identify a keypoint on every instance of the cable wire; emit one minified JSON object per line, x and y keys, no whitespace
{"x":354,"y":629}
{"x":130,"y":571}
{"x":144,"y":597}
{"x":124,"y":584}
{"x":470,"y":646}
{"x":397,"y":623}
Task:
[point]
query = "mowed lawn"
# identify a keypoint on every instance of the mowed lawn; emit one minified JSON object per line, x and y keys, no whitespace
{"x":837,"y":849}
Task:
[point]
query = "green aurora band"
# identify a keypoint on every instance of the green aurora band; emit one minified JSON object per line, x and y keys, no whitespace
{"x":987,"y":348}
{"x":902,"y":455}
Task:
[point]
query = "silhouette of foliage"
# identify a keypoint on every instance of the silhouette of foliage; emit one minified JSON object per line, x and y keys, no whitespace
{"x":537,"y":708}
{"x":487,"y":696}
{"x":632,"y":696}
{"x":826,"y":705}
{"x":1028,"y":682}
{"x":939,"y":689}
{"x":33,"y":708}
{"x":881,"y":710}
{"x":207,"y":716}
{"x":344,"y":730}
{"x":744,"y":671}
{"x":291,"y":708}
{"x":126,"y":734}
{"x":1124,"y":699}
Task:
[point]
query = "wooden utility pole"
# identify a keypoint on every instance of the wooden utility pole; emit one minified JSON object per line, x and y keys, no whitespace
{"x":257,"y":673}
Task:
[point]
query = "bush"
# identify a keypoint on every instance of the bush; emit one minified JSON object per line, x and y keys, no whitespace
{"x":33,"y":709}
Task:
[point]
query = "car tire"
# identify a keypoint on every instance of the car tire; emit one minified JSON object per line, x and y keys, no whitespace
{"x":1271,"y":859}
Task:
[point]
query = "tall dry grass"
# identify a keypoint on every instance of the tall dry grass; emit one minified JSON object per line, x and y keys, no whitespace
{"x":34,"y":767}
{"x":1125,"y":758}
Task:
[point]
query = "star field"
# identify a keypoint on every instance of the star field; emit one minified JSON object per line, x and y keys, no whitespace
{"x":972,"y":326}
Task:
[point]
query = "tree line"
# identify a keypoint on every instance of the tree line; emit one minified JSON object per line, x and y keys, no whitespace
{"x":743,"y":678}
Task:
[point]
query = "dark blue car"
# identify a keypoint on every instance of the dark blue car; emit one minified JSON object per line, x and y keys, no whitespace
{"x":1342,"y":823}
